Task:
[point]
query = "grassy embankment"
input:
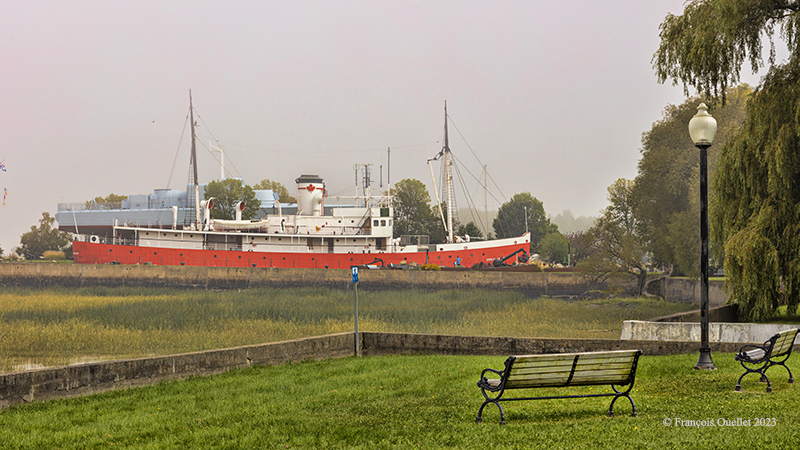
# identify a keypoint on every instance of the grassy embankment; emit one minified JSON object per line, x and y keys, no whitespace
{"x":60,"y":326}
{"x":416,"y":402}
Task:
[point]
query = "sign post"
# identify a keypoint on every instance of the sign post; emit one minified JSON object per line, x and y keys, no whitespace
{"x":355,"y":309}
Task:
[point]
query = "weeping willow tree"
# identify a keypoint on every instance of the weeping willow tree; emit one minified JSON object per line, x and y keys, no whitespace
{"x":756,"y":209}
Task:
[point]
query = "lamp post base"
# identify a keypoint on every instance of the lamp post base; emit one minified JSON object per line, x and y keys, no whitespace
{"x":704,"y":362}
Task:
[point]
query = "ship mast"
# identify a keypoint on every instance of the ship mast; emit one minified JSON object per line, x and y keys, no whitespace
{"x":448,"y":179}
{"x":194,"y":165}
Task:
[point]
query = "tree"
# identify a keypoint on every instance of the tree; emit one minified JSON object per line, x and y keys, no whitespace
{"x":757,"y":209}
{"x":580,"y":246}
{"x":110,"y":201}
{"x":620,"y":249}
{"x":227,"y":193}
{"x":40,"y":239}
{"x":471,"y":230}
{"x":567,"y":223}
{"x":276,"y":187}
{"x":510,"y":220}
{"x":555,"y":248}
{"x":667,"y":185}
{"x":756,"y":212}
{"x":412,"y":210}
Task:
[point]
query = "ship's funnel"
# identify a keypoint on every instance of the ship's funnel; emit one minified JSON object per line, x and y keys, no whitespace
{"x":206,"y":206}
{"x":239,"y":209}
{"x":310,"y":194}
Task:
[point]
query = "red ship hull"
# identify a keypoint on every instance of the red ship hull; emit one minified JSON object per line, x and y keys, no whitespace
{"x":96,"y":253}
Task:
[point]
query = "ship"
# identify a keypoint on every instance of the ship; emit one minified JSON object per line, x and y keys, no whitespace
{"x":322,"y":232}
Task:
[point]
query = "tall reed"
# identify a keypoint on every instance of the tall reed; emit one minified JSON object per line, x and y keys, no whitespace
{"x":58,"y":326}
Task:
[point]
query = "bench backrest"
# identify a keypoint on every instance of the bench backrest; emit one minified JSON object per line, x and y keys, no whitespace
{"x":573,"y":369}
{"x":784,"y":342}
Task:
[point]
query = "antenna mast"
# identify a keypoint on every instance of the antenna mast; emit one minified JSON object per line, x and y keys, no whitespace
{"x":448,"y":179}
{"x":194,"y":164}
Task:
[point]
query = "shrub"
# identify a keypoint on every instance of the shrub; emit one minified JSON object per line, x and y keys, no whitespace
{"x":54,"y":255}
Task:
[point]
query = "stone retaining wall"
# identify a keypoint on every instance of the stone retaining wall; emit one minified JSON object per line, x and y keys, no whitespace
{"x":71,"y":381}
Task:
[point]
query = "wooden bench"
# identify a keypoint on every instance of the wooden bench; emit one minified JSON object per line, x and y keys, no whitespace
{"x":614,"y":368}
{"x":759,"y":358}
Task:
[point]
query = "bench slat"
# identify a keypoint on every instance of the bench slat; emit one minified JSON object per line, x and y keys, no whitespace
{"x":784,"y":343}
{"x":568,"y":362}
{"x":571,"y":356}
{"x":597,"y":377}
{"x":516,"y":371}
{"x":588,"y":362}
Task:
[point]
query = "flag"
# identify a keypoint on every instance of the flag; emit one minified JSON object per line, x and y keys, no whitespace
{"x":2,"y":166}
{"x":5,"y":194}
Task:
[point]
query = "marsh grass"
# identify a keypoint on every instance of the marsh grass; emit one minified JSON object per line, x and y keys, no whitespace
{"x":413,"y":402}
{"x":59,"y":326}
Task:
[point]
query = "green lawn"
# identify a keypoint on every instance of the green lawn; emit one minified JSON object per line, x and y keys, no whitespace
{"x":415,"y":402}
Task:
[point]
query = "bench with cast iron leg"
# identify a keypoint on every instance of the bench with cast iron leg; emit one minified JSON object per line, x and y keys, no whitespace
{"x":759,"y":358}
{"x":613,"y":368}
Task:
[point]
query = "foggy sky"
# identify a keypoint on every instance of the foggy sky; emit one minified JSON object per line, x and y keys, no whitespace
{"x":552,"y":96}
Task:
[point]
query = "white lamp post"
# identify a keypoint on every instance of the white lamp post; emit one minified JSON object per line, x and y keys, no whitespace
{"x":702,"y":129}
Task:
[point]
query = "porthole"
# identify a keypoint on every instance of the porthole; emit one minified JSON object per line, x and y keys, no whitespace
{"x":155,"y":253}
{"x":215,"y":256}
{"x":240,"y":256}
{"x":131,"y":252}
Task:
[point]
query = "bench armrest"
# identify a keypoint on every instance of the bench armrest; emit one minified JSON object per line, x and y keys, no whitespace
{"x":487,"y":384}
{"x":754,"y":353}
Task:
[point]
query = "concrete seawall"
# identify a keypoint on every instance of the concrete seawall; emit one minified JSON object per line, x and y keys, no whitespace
{"x":741,"y":333}
{"x":71,"y":381}
{"x":688,"y":291}
{"x":41,"y":275}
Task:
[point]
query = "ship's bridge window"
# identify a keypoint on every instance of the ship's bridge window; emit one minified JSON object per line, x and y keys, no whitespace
{"x":383,"y":223}
{"x":375,"y":223}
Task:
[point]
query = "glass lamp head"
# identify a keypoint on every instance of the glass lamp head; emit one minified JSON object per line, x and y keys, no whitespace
{"x":702,"y":127}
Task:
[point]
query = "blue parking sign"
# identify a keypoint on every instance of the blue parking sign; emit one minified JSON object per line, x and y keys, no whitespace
{"x":355,"y":274}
